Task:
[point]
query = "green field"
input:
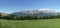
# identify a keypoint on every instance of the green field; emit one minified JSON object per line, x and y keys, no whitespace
{"x":47,"y":23}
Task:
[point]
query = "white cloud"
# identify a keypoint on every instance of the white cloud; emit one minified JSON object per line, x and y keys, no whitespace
{"x":58,"y":10}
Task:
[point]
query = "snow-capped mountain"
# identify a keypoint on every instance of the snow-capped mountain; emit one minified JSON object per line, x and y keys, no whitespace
{"x":36,"y":12}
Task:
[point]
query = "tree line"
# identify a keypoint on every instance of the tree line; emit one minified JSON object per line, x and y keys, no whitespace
{"x":14,"y":17}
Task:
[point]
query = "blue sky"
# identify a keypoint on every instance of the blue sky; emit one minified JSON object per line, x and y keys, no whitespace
{"x":9,"y":6}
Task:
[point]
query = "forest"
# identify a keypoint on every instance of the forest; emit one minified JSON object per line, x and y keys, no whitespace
{"x":15,"y":17}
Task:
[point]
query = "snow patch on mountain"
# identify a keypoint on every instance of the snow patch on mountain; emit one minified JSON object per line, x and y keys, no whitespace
{"x":46,"y":10}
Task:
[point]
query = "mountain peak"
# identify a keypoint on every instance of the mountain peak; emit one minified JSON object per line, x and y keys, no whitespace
{"x":36,"y":12}
{"x":46,"y":10}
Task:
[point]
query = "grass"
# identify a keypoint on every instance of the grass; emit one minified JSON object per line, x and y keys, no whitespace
{"x":48,"y":23}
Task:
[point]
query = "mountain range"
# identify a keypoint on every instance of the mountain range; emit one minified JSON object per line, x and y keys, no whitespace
{"x":43,"y":12}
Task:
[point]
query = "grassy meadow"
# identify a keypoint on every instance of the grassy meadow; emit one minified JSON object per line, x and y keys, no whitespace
{"x":47,"y":23}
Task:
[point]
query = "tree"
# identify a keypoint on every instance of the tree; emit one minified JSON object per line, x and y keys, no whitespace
{"x":10,"y":17}
{"x":0,"y":15}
